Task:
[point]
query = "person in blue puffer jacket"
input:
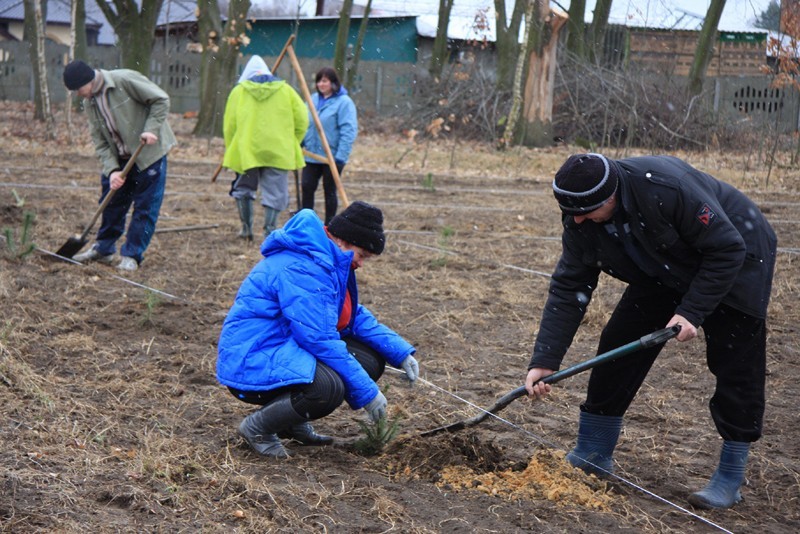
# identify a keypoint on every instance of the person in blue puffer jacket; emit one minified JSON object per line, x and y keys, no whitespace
{"x":297,"y":342}
{"x":339,"y":119}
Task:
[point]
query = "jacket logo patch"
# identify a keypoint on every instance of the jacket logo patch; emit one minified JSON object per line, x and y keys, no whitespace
{"x":706,"y":215}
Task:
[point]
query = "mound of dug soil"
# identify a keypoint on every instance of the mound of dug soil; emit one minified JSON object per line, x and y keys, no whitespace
{"x":547,"y":476}
{"x":462,"y":462}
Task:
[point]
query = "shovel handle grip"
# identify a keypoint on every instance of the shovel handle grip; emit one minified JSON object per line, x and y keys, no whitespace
{"x":110,"y":194}
{"x":650,"y":340}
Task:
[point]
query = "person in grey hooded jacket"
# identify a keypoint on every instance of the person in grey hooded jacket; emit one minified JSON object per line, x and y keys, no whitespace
{"x":695,"y":252}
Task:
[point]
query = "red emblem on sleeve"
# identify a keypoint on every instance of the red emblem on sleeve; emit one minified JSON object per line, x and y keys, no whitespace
{"x":706,"y":215}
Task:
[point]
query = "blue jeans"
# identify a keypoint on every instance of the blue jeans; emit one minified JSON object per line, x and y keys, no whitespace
{"x":145,"y":190}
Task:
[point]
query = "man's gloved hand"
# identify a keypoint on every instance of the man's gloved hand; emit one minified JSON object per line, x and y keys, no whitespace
{"x":411,"y":367}
{"x":376,"y":408}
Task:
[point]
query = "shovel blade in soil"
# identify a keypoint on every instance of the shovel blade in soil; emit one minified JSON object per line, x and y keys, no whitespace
{"x":72,"y":246}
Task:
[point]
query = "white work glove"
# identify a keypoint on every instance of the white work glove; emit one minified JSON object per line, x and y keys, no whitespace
{"x":411,"y":367}
{"x":376,"y":408}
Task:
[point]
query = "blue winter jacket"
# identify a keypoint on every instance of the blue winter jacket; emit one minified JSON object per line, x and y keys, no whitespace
{"x":285,"y":314}
{"x":339,"y":119}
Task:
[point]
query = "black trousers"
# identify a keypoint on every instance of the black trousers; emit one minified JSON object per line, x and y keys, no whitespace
{"x":312,"y":172}
{"x":326,"y":393}
{"x":735,"y":355}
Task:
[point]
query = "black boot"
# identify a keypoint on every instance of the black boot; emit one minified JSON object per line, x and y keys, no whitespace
{"x":261,"y":428}
{"x":304,"y":433}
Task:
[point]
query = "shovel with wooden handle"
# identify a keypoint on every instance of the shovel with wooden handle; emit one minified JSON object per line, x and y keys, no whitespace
{"x":75,"y":243}
{"x":650,"y":340}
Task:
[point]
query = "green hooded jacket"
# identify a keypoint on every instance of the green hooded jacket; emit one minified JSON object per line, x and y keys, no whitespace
{"x":265,"y":121}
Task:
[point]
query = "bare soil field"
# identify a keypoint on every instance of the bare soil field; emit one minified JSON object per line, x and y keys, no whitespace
{"x":112,"y":419}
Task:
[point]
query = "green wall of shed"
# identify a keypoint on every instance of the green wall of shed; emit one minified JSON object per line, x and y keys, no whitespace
{"x":387,"y":39}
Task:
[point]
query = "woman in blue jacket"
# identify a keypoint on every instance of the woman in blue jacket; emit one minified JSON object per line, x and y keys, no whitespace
{"x":339,"y":119}
{"x":296,"y":340}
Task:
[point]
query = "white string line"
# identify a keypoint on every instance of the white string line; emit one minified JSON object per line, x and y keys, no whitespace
{"x":450,"y":252}
{"x":363,"y":175}
{"x":431,"y":384}
{"x":554,"y":445}
{"x":127,"y":281}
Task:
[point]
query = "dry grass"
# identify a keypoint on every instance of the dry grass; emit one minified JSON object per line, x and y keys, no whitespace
{"x":113,"y":421}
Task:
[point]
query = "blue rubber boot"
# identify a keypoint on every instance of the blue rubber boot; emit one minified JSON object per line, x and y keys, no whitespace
{"x":597,"y":437}
{"x":722,"y":491}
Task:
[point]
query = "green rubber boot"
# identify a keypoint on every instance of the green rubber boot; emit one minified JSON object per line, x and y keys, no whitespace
{"x":270,"y":220}
{"x":245,"y":206}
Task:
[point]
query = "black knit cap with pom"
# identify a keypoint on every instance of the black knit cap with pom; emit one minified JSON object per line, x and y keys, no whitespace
{"x":584,"y":183}
{"x":360,"y":224}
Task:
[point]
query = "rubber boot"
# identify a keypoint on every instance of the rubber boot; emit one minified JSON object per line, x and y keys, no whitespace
{"x":722,"y":491}
{"x":270,"y":220}
{"x":245,"y":206}
{"x":597,"y":438}
{"x":261,"y":428}
{"x":305,"y":434}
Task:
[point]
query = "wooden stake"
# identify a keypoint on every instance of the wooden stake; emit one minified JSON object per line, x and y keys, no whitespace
{"x":313,"y":110}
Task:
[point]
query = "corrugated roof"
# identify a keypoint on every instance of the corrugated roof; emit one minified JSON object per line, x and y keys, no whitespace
{"x":58,"y":12}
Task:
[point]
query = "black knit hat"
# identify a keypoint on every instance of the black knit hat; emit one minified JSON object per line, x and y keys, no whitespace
{"x":584,"y":183}
{"x":77,"y":74}
{"x":360,"y":224}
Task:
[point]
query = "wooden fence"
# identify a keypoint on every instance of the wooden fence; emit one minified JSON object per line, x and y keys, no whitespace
{"x":381,"y":87}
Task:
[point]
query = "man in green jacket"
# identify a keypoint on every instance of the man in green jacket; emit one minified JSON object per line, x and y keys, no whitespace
{"x":265,"y":121}
{"x":124,"y":110}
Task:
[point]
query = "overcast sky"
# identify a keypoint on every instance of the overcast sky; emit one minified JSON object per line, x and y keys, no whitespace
{"x":684,"y":14}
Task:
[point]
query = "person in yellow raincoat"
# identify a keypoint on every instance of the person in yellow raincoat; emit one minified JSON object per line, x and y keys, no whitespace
{"x":265,"y":121}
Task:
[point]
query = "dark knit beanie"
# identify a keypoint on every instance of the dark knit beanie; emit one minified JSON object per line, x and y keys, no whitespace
{"x":360,"y":224}
{"x":584,"y":183}
{"x":77,"y":74}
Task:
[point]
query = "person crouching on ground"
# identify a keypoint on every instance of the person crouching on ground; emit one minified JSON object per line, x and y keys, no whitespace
{"x":124,"y":109}
{"x":297,"y":342}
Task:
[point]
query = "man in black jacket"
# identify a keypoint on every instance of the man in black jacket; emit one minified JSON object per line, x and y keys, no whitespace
{"x":694,"y":251}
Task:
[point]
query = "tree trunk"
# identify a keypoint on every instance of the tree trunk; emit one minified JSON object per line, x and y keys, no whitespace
{"x":516,"y":103}
{"x":218,"y":64}
{"x":352,"y":72}
{"x":79,"y":45}
{"x":576,"y":33}
{"x":340,"y":50}
{"x":597,"y":30}
{"x":34,"y":34}
{"x":537,"y":110}
{"x":506,"y":42}
{"x":705,"y":47}
{"x":135,"y":30}
{"x":439,"y":54}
